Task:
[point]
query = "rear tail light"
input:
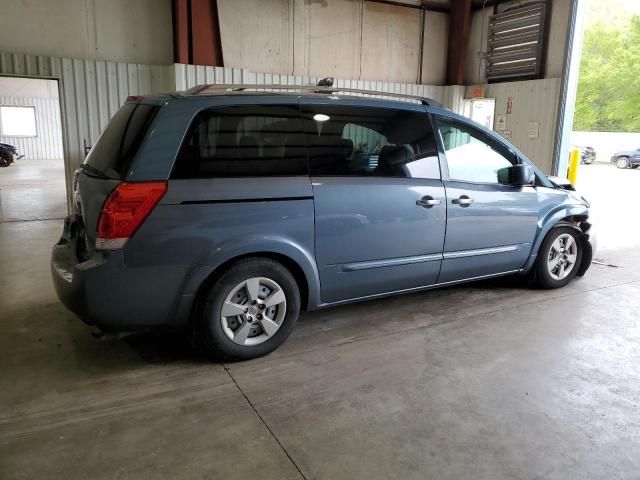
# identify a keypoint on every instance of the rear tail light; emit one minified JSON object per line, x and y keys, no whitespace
{"x":125,"y":209}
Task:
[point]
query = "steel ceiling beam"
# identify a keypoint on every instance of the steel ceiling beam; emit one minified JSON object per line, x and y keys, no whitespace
{"x":196,"y":32}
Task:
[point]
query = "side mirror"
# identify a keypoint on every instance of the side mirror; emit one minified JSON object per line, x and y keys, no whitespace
{"x":517,"y":175}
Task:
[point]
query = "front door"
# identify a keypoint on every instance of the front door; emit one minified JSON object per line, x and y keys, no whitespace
{"x":379,"y":201}
{"x":490,"y":226}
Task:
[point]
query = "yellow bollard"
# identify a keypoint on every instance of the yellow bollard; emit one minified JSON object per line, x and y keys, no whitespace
{"x":574,"y":163}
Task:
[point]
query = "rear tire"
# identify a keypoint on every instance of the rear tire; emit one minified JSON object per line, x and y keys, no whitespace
{"x":559,"y":258}
{"x":622,"y":162}
{"x":250,"y":310}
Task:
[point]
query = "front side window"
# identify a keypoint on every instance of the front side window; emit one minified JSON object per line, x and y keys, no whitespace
{"x":352,"y":140}
{"x":470,"y":157}
{"x":243,"y":141}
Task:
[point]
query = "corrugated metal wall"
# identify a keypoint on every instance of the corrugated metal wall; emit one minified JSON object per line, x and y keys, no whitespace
{"x":90,"y":93}
{"x":48,"y":143}
{"x":188,"y":76}
{"x":534,"y":101}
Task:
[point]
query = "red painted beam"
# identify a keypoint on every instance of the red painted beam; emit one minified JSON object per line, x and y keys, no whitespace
{"x":205,"y":33}
{"x":459,"y":32}
{"x":181,"y":33}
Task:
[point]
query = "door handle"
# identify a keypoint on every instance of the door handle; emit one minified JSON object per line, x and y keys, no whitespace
{"x":427,"y":201}
{"x":463,"y":201}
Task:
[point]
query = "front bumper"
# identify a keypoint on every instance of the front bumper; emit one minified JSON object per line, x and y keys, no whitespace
{"x":590,"y":247}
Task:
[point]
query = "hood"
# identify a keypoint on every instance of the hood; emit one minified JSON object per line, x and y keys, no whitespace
{"x":565,"y":184}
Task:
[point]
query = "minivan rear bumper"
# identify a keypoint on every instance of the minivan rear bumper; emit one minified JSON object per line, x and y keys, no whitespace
{"x":103,"y":291}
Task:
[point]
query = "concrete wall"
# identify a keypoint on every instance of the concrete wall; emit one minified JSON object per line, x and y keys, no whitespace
{"x":326,"y":38}
{"x":341,"y":38}
{"x":43,"y":96}
{"x":130,"y":31}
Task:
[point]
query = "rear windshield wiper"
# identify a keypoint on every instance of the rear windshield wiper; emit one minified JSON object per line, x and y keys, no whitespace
{"x":92,"y":171}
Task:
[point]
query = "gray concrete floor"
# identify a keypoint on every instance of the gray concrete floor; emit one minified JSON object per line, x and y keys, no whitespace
{"x":613,"y":194}
{"x":489,"y":381}
{"x":32,"y":190}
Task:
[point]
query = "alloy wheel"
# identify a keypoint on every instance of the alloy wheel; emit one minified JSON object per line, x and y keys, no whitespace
{"x":253,"y":311}
{"x":562,"y":256}
{"x":621,"y":162}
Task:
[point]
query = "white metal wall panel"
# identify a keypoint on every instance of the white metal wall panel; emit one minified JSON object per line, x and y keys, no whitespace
{"x":48,"y":142}
{"x":188,"y":76}
{"x":532,"y":101}
{"x":90,"y":93}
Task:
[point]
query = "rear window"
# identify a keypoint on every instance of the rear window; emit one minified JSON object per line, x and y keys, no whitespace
{"x":117,"y":145}
{"x":243,"y":141}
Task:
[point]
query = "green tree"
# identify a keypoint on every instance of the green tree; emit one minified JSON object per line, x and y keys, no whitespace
{"x":609,"y":84}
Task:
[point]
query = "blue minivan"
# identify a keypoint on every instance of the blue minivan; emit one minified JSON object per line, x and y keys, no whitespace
{"x":228,"y":209}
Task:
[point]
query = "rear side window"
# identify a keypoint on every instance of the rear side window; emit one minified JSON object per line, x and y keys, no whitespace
{"x":117,"y":145}
{"x":243,"y":141}
{"x":351,"y":140}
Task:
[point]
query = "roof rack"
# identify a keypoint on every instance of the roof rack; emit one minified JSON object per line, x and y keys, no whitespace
{"x":219,"y":89}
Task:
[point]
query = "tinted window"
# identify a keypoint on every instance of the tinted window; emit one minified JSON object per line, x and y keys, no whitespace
{"x":369,"y":141}
{"x":470,"y":156}
{"x":243,"y":141}
{"x":117,"y":145}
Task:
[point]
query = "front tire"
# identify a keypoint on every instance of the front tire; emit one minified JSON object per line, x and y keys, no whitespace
{"x":250,"y":310}
{"x":622,"y":162}
{"x":559,"y":258}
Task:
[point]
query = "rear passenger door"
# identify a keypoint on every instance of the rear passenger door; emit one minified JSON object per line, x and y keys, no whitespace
{"x":379,"y":202}
{"x":240,"y":183}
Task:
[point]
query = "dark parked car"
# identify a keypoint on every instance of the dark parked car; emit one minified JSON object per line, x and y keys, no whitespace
{"x":626,"y":158}
{"x":8,"y":154}
{"x":587,"y":155}
{"x":228,"y":210}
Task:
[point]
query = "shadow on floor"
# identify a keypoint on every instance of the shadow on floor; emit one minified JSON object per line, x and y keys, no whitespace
{"x":175,"y":346}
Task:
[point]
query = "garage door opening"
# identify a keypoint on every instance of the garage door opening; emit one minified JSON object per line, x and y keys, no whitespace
{"x":32,"y":187}
{"x":606,"y":123}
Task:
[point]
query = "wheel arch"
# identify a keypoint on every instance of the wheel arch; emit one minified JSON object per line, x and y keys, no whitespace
{"x":578,"y":220}
{"x":290,"y":264}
